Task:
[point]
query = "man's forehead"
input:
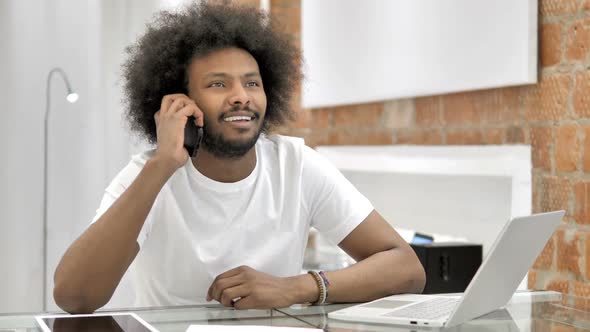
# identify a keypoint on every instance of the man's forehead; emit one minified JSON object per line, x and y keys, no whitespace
{"x":227,"y":61}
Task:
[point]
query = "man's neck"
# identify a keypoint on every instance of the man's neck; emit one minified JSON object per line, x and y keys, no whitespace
{"x":225,"y":169}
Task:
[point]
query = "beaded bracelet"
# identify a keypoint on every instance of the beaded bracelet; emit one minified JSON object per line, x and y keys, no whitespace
{"x":326,"y":283}
{"x":320,"y":282}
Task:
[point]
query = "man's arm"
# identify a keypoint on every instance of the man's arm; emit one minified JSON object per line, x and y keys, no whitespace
{"x":386,"y":265}
{"x":94,"y":264}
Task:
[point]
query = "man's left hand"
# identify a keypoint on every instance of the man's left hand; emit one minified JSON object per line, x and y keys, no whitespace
{"x":250,"y":289}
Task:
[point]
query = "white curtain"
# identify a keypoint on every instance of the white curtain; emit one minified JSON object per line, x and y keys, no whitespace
{"x":88,"y":142}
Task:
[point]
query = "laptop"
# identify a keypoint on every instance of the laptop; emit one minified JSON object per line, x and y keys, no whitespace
{"x":509,"y":259}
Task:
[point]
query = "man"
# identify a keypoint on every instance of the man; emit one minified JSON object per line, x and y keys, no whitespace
{"x":231,"y":223}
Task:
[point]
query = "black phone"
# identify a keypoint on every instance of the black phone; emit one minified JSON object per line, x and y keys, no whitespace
{"x":192,"y":136}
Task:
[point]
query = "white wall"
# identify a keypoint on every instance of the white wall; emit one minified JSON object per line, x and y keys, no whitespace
{"x":87,"y":142}
{"x":22,"y":85}
{"x":374,"y":50}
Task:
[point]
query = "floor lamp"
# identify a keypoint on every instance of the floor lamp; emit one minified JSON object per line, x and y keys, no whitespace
{"x":72,"y":97}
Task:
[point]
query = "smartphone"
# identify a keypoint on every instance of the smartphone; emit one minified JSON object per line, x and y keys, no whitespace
{"x":192,"y":136}
{"x":111,"y":322}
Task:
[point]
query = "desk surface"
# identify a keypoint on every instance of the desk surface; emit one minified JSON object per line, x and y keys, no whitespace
{"x":525,"y":312}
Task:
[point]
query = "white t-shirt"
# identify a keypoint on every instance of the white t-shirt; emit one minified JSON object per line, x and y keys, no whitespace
{"x":199,"y":228}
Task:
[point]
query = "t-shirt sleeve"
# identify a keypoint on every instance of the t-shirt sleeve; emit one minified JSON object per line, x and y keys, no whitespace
{"x":335,"y":206}
{"x":117,"y":187}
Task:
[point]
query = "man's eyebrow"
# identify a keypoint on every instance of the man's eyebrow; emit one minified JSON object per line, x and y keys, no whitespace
{"x":208,"y":75}
{"x":225,"y":75}
{"x":252,"y":74}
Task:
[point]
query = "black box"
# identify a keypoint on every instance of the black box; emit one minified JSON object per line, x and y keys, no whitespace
{"x":449,"y":266}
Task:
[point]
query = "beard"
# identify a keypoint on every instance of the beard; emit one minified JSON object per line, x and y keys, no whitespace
{"x":220,"y":147}
{"x":216,"y":144}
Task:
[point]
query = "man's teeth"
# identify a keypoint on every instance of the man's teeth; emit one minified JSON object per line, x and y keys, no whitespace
{"x":237,"y":118}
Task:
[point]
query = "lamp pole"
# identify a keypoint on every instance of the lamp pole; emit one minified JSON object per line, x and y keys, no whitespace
{"x":72,"y":97}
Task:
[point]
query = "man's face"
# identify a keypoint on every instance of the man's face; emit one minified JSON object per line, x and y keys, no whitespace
{"x":227,"y":87}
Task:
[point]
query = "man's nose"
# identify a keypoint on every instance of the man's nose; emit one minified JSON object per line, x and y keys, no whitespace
{"x":239,"y":96}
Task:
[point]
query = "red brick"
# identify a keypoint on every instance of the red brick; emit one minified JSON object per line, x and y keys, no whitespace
{"x":515,"y":135}
{"x":288,"y":18}
{"x":316,"y":138}
{"x":284,"y":3}
{"x":320,"y":118}
{"x":428,"y":111}
{"x":458,"y":109}
{"x":586,"y":158}
{"x":582,"y":295}
{"x":557,"y":327}
{"x":511,"y":99}
{"x":545,"y":259}
{"x":540,"y":141}
{"x":404,"y":137}
{"x":302,"y":119}
{"x":582,"y":203}
{"x":398,"y":114}
{"x":557,"y":7}
{"x":537,"y":189}
{"x":578,"y":41}
{"x":360,"y":137}
{"x":555,"y":193}
{"x":487,"y":100}
{"x":493,"y":135}
{"x":497,"y":106}
{"x":464,"y":137}
{"x":582,"y":94}
{"x":423,"y":137}
{"x":541,"y":325}
{"x":568,"y":252}
{"x":567,"y":148}
{"x":548,"y":100}
{"x":550,"y":44}
{"x":581,"y":289}
{"x":558,"y":285}
{"x":357,"y":115}
{"x":493,"y":106}
{"x":532,"y":279}
{"x":432,"y":137}
{"x":249,"y":3}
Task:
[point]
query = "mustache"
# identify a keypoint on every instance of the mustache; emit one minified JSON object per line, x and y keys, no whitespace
{"x":238,"y":108}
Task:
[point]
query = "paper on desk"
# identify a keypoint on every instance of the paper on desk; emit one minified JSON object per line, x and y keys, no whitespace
{"x":248,"y":328}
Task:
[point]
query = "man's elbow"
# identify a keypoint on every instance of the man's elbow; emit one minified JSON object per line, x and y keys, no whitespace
{"x":415,"y":276}
{"x":73,"y":302}
{"x":419,"y":278}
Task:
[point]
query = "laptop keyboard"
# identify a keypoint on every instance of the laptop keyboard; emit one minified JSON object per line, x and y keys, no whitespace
{"x":430,"y":309}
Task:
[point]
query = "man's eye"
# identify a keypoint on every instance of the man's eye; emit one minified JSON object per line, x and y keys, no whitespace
{"x":217,"y":85}
{"x":252,"y":83}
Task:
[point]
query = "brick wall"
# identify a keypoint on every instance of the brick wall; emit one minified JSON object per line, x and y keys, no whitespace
{"x":553,"y":116}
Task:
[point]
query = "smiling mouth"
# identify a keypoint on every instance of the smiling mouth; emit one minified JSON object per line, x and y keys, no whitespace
{"x":238,"y":118}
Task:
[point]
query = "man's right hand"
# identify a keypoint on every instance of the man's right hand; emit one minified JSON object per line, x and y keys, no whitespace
{"x":170,"y":122}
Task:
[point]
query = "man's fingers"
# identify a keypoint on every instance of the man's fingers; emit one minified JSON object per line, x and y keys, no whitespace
{"x":231,"y":273}
{"x":157,"y":118}
{"x":229,"y":294}
{"x":245,"y":302}
{"x":192,"y":110}
{"x":176,"y":105}
{"x":226,"y":274}
{"x":168,"y":100}
{"x":221,"y":285}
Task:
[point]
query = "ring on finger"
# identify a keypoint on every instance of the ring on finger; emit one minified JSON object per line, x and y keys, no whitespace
{"x":233,"y":301}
